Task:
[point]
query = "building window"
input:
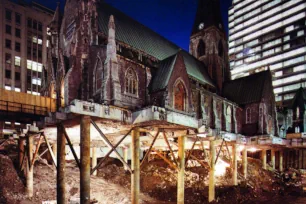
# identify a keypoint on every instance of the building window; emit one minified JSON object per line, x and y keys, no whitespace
{"x":8,"y":29}
{"x":229,"y":114}
{"x":17,"y":46}
{"x":179,"y":96}
{"x":17,"y":61}
{"x":8,"y":14}
{"x":297,"y":113}
{"x":8,"y":58}
{"x":8,"y":74}
{"x":220,"y":49}
{"x":248,"y":115}
{"x":17,"y":76}
{"x":201,"y":48}
{"x":18,"y":18}
{"x":34,"y":24}
{"x":18,"y":33}
{"x":131,"y":83}
{"x":29,"y":23}
{"x":8,"y":43}
{"x":40,"y":27}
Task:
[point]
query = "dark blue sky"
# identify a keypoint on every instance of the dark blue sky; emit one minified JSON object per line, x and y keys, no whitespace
{"x":173,"y":19}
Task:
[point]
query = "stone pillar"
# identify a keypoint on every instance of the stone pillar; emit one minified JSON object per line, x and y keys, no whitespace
{"x":235,"y":166}
{"x":135,"y":178}
{"x":61,"y":164}
{"x":181,"y":171}
{"x":85,"y":160}
{"x":273,"y":158}
{"x":264,"y":159}
{"x":94,"y":159}
{"x":281,"y":160}
{"x":245,"y":162}
{"x":29,"y":176}
{"x":211,"y":188}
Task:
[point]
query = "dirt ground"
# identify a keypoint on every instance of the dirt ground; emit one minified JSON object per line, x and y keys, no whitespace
{"x":158,"y":184}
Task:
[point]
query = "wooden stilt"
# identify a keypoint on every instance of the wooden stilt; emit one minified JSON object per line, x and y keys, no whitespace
{"x":273,"y":158}
{"x":29,"y":176}
{"x":264,"y":158}
{"x":85,"y":160}
{"x":125,"y":151}
{"x":245,"y":162}
{"x":60,"y":176}
{"x":281,"y":160}
{"x":181,"y":171}
{"x":21,"y":151}
{"x":211,"y":188}
{"x":94,"y":159}
{"x":135,"y":178}
{"x":235,"y":166}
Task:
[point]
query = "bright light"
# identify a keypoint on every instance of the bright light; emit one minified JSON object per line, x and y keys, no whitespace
{"x":202,"y":134}
{"x":240,"y":148}
{"x":221,"y":167}
{"x":253,"y":149}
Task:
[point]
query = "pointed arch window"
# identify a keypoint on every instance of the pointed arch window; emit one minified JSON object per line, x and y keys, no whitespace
{"x":297,"y":113}
{"x":131,"y":82}
{"x":179,"y":96}
{"x":248,"y":115}
{"x":229,"y":114}
{"x":220,"y":48}
{"x":201,"y":48}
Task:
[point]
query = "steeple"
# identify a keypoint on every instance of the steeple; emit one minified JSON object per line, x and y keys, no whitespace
{"x":208,"y":14}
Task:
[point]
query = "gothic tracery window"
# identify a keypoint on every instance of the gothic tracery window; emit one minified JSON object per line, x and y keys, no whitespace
{"x":131,"y":82}
{"x":248,"y":115}
{"x":201,"y":48}
{"x":179,"y":96}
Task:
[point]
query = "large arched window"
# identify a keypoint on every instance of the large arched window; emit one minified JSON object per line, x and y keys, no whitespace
{"x":229,"y":114}
{"x":201,"y":48}
{"x":220,"y":48}
{"x":248,"y":115}
{"x":179,"y":96}
{"x":297,"y":113}
{"x":131,"y":82}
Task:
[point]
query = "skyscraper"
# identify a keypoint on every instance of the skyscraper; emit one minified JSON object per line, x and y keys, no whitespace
{"x":266,"y":34}
{"x":23,"y":45}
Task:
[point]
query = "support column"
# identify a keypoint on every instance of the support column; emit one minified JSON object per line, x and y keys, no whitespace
{"x":264,"y":159}
{"x":54,"y":150}
{"x":181,"y":171}
{"x":94,"y":159}
{"x":85,"y":160}
{"x":245,"y":162}
{"x":29,"y":176}
{"x":20,"y":151}
{"x":61,"y":164}
{"x":235,"y":166}
{"x":211,"y":188}
{"x":281,"y":160}
{"x":125,"y":151}
{"x":135,"y":178}
{"x":273,"y":158}
{"x":300,"y":159}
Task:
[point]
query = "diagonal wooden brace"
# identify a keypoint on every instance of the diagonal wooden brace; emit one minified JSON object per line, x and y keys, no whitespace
{"x":168,"y":144}
{"x":71,"y":147}
{"x":36,"y":151}
{"x":219,"y":151}
{"x":50,"y":150}
{"x":113,"y":148}
{"x":149,"y":150}
{"x":191,"y":150}
{"x":166,"y":160}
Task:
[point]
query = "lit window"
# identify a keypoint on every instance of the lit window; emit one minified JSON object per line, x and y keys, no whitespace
{"x":248,"y":115}
{"x":34,"y":39}
{"x":17,"y":89}
{"x":39,"y":41}
{"x":36,"y":81}
{"x":297,"y":113}
{"x":8,"y":88}
{"x":131,"y":83}
{"x":17,"y":61}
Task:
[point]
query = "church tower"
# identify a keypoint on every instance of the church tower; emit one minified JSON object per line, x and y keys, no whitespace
{"x":208,"y":42}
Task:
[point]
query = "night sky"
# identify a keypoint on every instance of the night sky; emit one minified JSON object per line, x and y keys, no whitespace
{"x":173,"y":19}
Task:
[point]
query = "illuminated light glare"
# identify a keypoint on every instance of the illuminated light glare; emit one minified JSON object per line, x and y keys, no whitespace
{"x":240,"y":148}
{"x":221,"y":167}
{"x":253,"y":149}
{"x":202,"y":134}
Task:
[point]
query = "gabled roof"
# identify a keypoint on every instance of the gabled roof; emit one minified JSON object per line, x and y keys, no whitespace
{"x":299,"y":99}
{"x":140,"y":37}
{"x":209,"y":13}
{"x":248,"y":89}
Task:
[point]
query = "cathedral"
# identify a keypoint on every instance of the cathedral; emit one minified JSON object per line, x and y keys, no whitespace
{"x":100,"y":55}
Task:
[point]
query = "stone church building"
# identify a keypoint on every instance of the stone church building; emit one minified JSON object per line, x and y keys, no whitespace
{"x":101,"y":55}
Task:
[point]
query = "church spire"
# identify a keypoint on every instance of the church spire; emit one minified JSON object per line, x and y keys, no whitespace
{"x":208,"y":14}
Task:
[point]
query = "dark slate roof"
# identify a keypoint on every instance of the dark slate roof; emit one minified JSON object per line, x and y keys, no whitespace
{"x":209,"y":13}
{"x":248,"y":89}
{"x":299,"y":99}
{"x":140,"y":37}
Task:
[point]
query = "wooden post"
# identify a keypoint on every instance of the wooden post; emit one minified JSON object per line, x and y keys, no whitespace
{"x":300,"y":159}
{"x":94,"y":159}
{"x":235,"y":166}
{"x":135,"y":178}
{"x":281,"y":160}
{"x":245,"y":162}
{"x":85,"y":160}
{"x":211,"y":188}
{"x":54,"y":150}
{"x":125,"y":152}
{"x":264,"y":158}
{"x":273,"y":158}
{"x":29,"y":176}
{"x":61,"y":164}
{"x":181,"y":171}
{"x":20,"y":151}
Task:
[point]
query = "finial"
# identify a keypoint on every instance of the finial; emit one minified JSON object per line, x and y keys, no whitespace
{"x":111,"y":23}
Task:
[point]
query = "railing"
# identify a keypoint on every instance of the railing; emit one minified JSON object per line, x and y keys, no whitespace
{"x":22,"y":108}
